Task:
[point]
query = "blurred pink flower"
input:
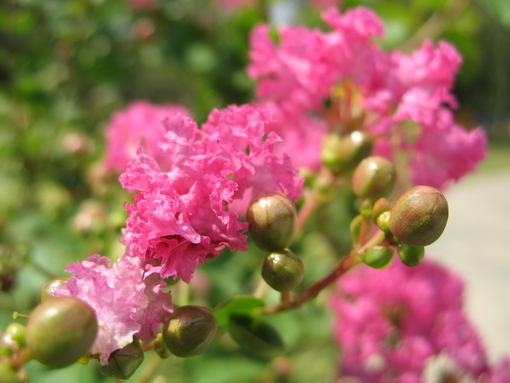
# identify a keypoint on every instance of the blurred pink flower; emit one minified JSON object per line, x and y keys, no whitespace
{"x":390,"y":322}
{"x":137,"y":126}
{"x":191,"y":211}
{"x":126,"y":302}
{"x":403,"y":101}
{"x":138,"y":5}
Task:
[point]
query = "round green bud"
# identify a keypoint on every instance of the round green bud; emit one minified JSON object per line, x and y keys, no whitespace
{"x":190,"y":330}
{"x":382,"y":205}
{"x":17,"y":332}
{"x":8,"y":373}
{"x":410,"y":255}
{"x":377,"y":257}
{"x":343,"y":153}
{"x":283,"y":270}
{"x":51,"y":286}
{"x":355,"y":227}
{"x":124,"y":362}
{"x":272,"y":219}
{"x":419,"y":216}
{"x":60,"y":331}
{"x":373,"y":178}
{"x":383,"y":222}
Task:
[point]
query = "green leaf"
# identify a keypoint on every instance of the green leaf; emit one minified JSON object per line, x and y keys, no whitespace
{"x":240,"y":305}
{"x":254,"y":336}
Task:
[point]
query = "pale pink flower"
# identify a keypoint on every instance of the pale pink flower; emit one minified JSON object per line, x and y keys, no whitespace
{"x":137,"y":126}
{"x":389,"y":322}
{"x":125,"y":302}
{"x":190,"y":211}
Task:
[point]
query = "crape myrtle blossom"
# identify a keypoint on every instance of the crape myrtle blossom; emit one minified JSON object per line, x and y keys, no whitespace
{"x":126,"y":302}
{"x":381,"y":93}
{"x":138,"y":126}
{"x":390,"y":322}
{"x":191,"y":210}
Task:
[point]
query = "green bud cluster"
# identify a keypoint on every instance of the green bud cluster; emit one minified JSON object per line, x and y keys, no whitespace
{"x":417,"y":219}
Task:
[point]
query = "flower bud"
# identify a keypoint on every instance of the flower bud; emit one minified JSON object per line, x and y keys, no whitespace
{"x":51,"y":286}
{"x":377,"y":257}
{"x":190,"y":330}
{"x":342,"y":153}
{"x":60,"y":331}
{"x":380,"y":206}
{"x":283,"y":270}
{"x":17,"y":332}
{"x":124,"y":362}
{"x":419,"y":216}
{"x":355,"y":227}
{"x":272,"y":219}
{"x":255,"y":336}
{"x":373,"y":178}
{"x":410,"y":255}
{"x":8,"y":373}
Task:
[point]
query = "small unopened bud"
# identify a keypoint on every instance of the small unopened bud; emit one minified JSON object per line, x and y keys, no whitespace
{"x":190,"y":330}
{"x":378,"y":257}
{"x":17,"y":332}
{"x":380,"y":206}
{"x":8,"y":373}
{"x":419,"y":216}
{"x":355,"y":228}
{"x":373,"y":178}
{"x":60,"y":331}
{"x":283,"y":270}
{"x":381,"y":214}
{"x":343,"y":153}
{"x":410,"y":255}
{"x":124,"y":362}
{"x":49,"y":289}
{"x":272,"y":219}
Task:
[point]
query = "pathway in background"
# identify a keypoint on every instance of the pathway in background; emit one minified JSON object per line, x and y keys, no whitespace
{"x":476,"y":244}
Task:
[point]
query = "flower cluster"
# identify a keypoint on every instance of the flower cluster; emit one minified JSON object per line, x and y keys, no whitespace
{"x":390,"y":322}
{"x":404,"y":102}
{"x":194,"y":186}
{"x":188,"y":205}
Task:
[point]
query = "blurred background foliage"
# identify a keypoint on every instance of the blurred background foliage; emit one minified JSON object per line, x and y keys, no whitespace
{"x":66,"y":65}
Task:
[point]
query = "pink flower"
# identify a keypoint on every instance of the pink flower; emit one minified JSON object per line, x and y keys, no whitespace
{"x":338,"y":81}
{"x":126,"y":302}
{"x":137,"y":126}
{"x":390,"y":322}
{"x":191,"y":211}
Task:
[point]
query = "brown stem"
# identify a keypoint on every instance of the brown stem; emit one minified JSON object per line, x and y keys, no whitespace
{"x":286,"y":299}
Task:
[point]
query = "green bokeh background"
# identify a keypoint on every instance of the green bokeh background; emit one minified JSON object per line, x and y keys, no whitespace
{"x":66,"y":65}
